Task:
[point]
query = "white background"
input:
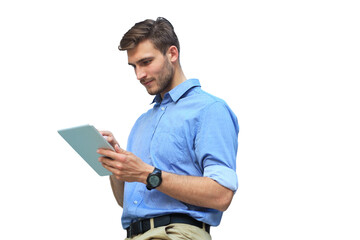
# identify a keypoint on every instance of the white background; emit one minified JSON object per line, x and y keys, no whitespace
{"x":288,"y":69}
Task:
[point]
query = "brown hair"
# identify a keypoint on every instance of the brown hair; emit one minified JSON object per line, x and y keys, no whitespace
{"x":160,"y":33}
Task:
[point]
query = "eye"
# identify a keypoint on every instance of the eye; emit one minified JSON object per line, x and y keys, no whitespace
{"x":146,"y":62}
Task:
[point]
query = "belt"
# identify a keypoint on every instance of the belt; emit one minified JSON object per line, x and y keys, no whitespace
{"x":142,"y":226}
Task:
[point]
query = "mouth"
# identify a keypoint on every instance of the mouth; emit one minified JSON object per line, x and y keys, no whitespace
{"x":147,"y":82}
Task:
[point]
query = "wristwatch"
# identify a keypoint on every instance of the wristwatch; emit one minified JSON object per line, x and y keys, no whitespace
{"x":154,"y":179}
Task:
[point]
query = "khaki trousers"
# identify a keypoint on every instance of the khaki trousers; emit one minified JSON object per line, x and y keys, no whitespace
{"x":175,"y":231}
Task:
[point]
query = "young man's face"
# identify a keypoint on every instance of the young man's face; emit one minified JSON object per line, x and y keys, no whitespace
{"x":152,"y":68}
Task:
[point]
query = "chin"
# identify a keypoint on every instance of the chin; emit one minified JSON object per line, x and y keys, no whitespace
{"x":152,"y":91}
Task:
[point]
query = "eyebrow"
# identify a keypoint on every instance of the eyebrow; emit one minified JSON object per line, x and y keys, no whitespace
{"x":141,"y":60}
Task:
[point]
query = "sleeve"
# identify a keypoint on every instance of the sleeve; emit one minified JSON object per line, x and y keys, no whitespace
{"x":216,"y":144}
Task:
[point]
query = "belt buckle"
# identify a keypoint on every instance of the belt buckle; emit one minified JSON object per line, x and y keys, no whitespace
{"x":135,"y":228}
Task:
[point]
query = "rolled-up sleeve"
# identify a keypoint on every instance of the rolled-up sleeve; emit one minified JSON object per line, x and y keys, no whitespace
{"x":216,"y":144}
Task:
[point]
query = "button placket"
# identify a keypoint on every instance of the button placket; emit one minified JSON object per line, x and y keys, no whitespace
{"x":162,"y":111}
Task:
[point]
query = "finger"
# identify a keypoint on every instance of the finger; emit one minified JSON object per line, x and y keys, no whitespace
{"x":103,"y":157}
{"x":105,"y":133}
{"x":113,"y":166}
{"x":106,"y":152}
{"x":110,"y":168}
{"x":107,"y":161}
{"x":109,"y":137}
{"x":110,"y":154}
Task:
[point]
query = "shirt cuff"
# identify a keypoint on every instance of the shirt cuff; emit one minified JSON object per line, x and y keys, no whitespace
{"x":225,"y":176}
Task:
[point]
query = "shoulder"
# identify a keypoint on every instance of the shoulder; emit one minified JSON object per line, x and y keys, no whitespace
{"x":208,"y":102}
{"x":216,"y":112}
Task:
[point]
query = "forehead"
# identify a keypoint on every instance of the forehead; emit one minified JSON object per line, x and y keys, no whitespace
{"x":144,"y":49}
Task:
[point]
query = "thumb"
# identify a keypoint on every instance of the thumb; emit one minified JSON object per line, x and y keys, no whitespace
{"x":118,"y":149}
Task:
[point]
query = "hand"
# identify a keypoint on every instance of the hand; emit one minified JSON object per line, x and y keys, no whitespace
{"x":110,"y":138}
{"x":124,"y":165}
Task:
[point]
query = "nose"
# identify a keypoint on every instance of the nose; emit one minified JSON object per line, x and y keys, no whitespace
{"x":140,"y":73}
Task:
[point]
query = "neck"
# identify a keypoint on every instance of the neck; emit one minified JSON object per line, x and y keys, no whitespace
{"x":179,"y":77}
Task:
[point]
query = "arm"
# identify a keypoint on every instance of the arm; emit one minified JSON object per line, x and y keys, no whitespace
{"x":117,"y":187}
{"x":199,"y":191}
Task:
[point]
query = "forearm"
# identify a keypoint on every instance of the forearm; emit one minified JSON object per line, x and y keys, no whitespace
{"x":198,"y":191}
{"x":118,"y":189}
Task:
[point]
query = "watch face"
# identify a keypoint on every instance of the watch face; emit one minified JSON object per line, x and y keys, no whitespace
{"x":154,"y":181}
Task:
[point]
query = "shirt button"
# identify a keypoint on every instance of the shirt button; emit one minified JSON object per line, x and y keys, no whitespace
{"x":135,"y":202}
{"x":162,"y":108}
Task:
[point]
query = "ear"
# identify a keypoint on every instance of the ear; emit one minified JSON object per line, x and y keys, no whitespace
{"x":173,"y":54}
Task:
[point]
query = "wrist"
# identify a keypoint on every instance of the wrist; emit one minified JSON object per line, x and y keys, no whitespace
{"x":147,"y":170}
{"x":154,"y":179}
{"x":114,"y":179}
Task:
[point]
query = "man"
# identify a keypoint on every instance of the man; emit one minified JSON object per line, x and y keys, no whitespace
{"x":178,"y":173}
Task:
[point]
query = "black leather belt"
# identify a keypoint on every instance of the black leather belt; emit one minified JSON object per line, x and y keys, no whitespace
{"x":142,"y":226}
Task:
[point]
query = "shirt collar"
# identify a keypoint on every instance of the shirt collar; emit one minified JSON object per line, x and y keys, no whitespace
{"x":179,"y":90}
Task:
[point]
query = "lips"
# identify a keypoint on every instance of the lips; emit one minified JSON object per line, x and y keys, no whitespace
{"x":147,"y":82}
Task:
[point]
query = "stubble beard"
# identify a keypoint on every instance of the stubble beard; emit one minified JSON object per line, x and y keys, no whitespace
{"x":164,"y":79}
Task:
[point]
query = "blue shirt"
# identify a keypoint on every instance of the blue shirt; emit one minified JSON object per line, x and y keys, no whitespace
{"x":189,"y":132}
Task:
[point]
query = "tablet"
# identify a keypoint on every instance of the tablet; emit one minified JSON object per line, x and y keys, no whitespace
{"x":86,"y":140}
